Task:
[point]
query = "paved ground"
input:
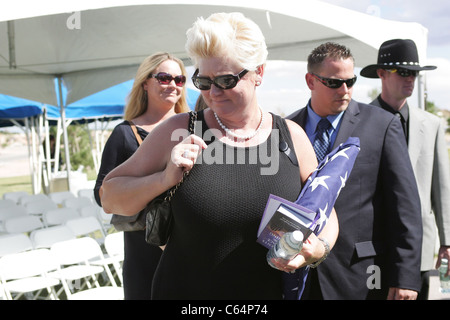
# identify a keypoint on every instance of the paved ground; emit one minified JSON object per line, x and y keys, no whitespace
{"x":14,"y":161}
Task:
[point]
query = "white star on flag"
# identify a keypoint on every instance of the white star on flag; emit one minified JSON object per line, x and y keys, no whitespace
{"x":319,"y":181}
{"x":343,"y":181}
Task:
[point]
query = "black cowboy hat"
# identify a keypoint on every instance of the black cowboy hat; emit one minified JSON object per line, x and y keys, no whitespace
{"x":396,"y":53}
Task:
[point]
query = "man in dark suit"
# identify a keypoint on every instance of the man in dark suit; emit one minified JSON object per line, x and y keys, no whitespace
{"x":378,"y":251}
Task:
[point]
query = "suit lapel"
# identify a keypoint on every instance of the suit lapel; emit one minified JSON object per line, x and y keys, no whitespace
{"x":416,"y":135}
{"x":348,"y":124}
{"x":300,"y":117}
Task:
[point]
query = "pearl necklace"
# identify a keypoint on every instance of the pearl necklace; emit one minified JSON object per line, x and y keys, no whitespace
{"x":238,"y":136}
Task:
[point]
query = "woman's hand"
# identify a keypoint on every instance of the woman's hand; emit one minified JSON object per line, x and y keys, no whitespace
{"x":183,"y":157}
{"x":313,"y":249}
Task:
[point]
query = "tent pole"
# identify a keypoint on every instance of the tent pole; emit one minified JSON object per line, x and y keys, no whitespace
{"x":30,"y":157}
{"x":420,"y":92}
{"x":58,"y":145}
{"x":64,"y":127}
{"x":47,"y":151}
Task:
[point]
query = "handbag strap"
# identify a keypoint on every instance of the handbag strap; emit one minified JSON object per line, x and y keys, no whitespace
{"x":133,"y":127}
{"x":171,"y":192}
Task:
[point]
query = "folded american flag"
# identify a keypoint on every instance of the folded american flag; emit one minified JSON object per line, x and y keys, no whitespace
{"x":319,"y":194}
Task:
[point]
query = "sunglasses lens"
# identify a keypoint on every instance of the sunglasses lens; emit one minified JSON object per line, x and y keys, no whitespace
{"x":406,"y":73}
{"x":350,"y":82}
{"x":180,"y":80}
{"x":225,"y":82}
{"x":202,"y":83}
{"x":337,"y":83}
{"x":164,"y":78}
{"x":333,"y":83}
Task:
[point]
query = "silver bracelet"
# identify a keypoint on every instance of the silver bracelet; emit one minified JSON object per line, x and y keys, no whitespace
{"x":326,"y":245}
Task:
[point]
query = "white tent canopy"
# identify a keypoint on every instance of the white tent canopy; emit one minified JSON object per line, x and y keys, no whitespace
{"x":92,"y":45}
{"x":95,"y":44}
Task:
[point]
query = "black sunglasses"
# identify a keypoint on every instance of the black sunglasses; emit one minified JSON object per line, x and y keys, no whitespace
{"x":405,"y":73}
{"x":335,"y":83}
{"x":166,"y":78}
{"x":224,"y":82}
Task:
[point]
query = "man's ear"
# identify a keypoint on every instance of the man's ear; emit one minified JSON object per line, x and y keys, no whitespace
{"x":309,"y":81}
{"x":381,"y":73}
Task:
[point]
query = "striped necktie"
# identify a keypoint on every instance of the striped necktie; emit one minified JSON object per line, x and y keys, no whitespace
{"x":322,"y":141}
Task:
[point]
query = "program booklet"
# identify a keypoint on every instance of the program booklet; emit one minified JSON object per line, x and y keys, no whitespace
{"x":281,"y":216}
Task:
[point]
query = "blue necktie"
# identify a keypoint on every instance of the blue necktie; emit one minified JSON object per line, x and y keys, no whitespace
{"x":322,"y":141}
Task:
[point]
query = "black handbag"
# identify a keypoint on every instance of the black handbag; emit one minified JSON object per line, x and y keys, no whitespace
{"x":159,"y":220}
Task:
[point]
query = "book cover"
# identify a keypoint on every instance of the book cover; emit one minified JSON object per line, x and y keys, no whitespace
{"x":281,"y":216}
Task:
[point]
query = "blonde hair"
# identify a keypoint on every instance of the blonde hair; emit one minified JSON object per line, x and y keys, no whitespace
{"x":137,"y":99}
{"x":230,"y":34}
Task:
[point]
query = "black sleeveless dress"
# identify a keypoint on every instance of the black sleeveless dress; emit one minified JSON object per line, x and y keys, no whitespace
{"x":212,"y":252}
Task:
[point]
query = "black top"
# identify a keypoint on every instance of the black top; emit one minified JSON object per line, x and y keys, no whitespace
{"x":120,"y":146}
{"x":212,"y":252}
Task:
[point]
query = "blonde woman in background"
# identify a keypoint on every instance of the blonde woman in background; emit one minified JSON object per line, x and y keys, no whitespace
{"x":157,"y":94}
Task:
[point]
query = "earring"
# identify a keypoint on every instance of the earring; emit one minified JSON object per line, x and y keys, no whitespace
{"x":258,"y":83}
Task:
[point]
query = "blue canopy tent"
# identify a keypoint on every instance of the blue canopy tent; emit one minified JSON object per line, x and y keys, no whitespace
{"x":35,"y":117}
{"x":108,"y":103}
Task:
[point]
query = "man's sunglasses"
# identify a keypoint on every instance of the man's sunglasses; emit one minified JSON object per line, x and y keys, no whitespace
{"x":166,"y":78}
{"x":404,"y":73}
{"x":224,"y":82}
{"x":335,"y":83}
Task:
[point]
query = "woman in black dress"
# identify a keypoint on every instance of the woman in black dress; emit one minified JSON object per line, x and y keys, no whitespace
{"x":157,"y":94}
{"x":234,"y":163}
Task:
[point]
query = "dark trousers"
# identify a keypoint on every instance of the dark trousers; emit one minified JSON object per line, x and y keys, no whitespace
{"x":425,"y":289}
{"x":139,"y":265}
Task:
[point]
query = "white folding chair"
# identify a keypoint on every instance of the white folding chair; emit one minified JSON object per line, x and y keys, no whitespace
{"x":23,"y":224}
{"x":59,"y":216}
{"x":7,"y":203}
{"x":114,"y":245}
{"x":45,"y":238}
{"x":32,"y":197}
{"x":28,"y":272}
{"x":105,"y":219}
{"x":75,"y":269}
{"x":10,"y":212}
{"x":39,"y":206}
{"x":14,"y":243}
{"x":77,"y":202}
{"x":89,"y":211}
{"x":102,"y":293}
{"x":86,"y":193}
{"x":87,"y":226}
{"x":94,"y":210}
{"x":60,"y":196}
{"x":14,"y":195}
